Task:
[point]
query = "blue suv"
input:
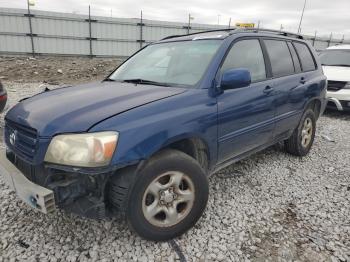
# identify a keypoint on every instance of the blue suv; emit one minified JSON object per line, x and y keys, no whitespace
{"x":142,"y":142}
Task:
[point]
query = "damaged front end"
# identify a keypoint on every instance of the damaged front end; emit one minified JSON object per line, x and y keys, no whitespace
{"x":76,"y":190}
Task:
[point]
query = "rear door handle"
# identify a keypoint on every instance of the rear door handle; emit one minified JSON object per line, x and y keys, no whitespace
{"x":302,"y":80}
{"x":268,"y":89}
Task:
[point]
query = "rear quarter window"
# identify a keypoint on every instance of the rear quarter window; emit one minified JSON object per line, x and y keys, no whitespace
{"x":295,"y":58}
{"x":305,"y":56}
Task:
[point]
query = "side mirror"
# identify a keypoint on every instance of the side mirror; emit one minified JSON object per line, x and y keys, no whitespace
{"x":235,"y":78}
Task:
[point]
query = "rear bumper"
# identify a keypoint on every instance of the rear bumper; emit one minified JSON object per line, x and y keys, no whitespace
{"x":36,"y":196}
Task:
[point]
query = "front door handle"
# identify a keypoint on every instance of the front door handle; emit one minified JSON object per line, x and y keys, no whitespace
{"x":302,"y":80}
{"x":268,"y":89}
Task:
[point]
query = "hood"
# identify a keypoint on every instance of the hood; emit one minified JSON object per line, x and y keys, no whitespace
{"x":337,"y":73}
{"x":76,"y":109}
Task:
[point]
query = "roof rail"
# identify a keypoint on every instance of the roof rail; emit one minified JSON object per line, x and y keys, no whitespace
{"x":201,"y":32}
{"x":171,"y":36}
{"x":277,"y":32}
{"x":237,"y":30}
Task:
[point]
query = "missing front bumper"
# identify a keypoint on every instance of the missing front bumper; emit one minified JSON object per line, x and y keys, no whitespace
{"x":34,"y":195}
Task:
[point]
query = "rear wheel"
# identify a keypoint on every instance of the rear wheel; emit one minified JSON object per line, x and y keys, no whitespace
{"x":167,"y":197}
{"x":301,"y":141}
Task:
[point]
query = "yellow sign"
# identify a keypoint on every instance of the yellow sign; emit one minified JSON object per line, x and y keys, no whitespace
{"x":31,"y":2}
{"x":245,"y":25}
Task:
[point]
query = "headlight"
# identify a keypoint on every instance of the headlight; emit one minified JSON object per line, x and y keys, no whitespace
{"x":83,"y":150}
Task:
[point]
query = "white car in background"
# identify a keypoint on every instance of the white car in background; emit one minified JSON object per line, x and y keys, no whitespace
{"x":336,"y":66}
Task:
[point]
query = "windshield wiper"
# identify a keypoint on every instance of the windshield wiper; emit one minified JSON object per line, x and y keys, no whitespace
{"x":109,"y":80}
{"x":145,"y":82}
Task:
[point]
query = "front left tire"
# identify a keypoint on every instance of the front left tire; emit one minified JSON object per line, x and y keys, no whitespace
{"x":167,"y":196}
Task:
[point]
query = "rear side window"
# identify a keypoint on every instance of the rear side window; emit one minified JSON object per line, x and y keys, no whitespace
{"x":306,"y":58}
{"x":295,"y":58}
{"x":280,"y":58}
{"x":246,"y":54}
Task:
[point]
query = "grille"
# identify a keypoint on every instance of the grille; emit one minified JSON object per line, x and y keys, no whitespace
{"x":25,"y":140}
{"x":25,"y":168}
{"x":335,"y":85}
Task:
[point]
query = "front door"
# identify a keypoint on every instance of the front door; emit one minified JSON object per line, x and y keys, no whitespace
{"x":245,"y":115}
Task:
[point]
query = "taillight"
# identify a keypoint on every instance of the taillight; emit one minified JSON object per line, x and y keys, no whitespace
{"x":3,"y":97}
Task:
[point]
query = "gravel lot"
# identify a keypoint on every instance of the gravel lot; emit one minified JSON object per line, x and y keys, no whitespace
{"x":55,"y":70}
{"x":269,"y":207}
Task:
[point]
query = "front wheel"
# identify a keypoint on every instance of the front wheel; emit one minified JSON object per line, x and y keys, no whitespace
{"x":169,"y":196}
{"x":301,"y":141}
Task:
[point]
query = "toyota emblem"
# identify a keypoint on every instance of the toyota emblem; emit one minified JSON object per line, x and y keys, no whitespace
{"x":13,"y":137}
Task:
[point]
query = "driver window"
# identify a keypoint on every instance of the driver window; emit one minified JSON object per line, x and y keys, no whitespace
{"x":246,"y":54}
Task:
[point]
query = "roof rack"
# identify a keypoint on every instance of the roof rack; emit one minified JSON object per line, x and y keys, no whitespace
{"x":201,"y":32}
{"x":171,"y":36}
{"x":237,"y":30}
{"x":277,"y":32}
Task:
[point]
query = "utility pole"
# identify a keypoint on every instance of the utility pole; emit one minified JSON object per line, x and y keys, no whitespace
{"x":30,"y":26}
{"x":330,"y":39}
{"x":90,"y":32}
{"x":189,"y":23}
{"x":281,"y":28}
{"x":313,"y":44}
{"x":301,"y":18}
{"x":219,"y":19}
{"x":141,"y":30}
{"x":259,"y":24}
{"x":229,"y":23}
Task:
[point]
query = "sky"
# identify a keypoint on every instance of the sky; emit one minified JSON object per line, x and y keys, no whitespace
{"x":323,"y":16}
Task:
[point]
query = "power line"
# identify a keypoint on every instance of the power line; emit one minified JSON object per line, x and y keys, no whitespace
{"x":301,"y":18}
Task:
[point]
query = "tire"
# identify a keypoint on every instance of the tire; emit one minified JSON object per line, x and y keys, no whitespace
{"x":301,"y":141}
{"x":118,"y":189}
{"x":170,"y":181}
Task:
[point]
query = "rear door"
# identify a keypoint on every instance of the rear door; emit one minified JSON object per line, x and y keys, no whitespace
{"x":310,"y":80}
{"x":287,"y":81}
{"x":245,"y":115}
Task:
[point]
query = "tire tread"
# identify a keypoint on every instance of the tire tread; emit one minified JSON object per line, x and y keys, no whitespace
{"x":292,"y":145}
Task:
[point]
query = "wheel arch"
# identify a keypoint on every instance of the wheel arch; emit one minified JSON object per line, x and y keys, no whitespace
{"x":314,"y":104}
{"x":190,"y":144}
{"x":193,"y":146}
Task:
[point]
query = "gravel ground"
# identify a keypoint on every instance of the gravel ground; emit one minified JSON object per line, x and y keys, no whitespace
{"x":55,"y":70}
{"x":269,"y":207}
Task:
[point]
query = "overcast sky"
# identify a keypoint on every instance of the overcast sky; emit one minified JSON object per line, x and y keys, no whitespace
{"x":322,"y":15}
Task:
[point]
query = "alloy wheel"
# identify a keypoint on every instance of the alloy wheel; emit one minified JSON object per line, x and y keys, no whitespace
{"x":168,"y":199}
{"x":306,"y":132}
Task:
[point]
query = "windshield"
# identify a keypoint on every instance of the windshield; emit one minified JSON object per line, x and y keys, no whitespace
{"x":174,"y":63}
{"x":335,"y":58}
